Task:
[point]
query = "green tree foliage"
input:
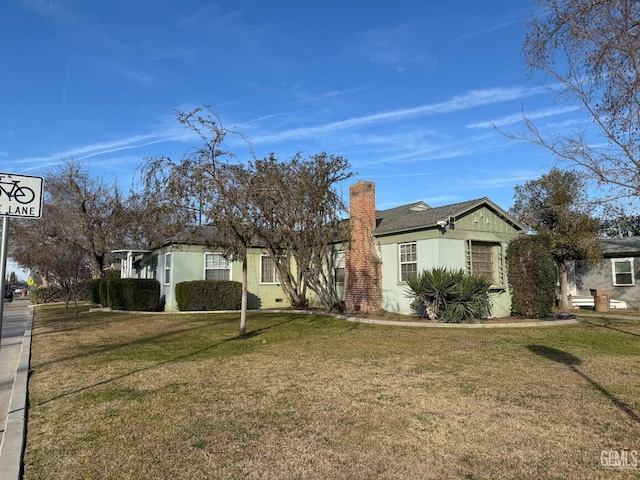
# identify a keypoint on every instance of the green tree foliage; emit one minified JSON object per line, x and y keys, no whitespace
{"x":532,"y":276}
{"x":449,"y":295}
{"x":554,"y":206}
{"x":587,"y":51}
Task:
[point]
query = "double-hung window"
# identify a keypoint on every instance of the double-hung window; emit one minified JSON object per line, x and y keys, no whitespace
{"x":216,"y":267}
{"x":268,"y":272}
{"x":167,"y":268}
{"x":408,"y":260}
{"x":623,"y":274}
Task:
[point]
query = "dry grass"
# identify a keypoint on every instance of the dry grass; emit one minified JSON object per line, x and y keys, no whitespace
{"x":124,"y":396}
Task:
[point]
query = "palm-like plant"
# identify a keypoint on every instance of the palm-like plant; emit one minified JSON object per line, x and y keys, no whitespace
{"x":449,"y":294}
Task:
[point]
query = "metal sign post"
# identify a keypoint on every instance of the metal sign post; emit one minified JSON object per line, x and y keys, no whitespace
{"x":3,"y":265}
{"x":20,"y":196}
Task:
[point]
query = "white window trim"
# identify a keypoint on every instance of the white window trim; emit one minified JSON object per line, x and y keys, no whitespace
{"x":204,"y":270}
{"x":275,"y":272}
{"x":613,"y":272}
{"x":400,"y":262}
{"x":168,"y":264}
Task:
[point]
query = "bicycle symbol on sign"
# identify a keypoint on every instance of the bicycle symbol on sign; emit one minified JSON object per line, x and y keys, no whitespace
{"x":20,"y":194}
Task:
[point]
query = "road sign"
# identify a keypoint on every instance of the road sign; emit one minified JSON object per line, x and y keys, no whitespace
{"x":20,"y":196}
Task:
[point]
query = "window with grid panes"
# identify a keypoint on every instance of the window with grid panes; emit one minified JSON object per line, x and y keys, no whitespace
{"x":482,"y":260}
{"x":408,"y":260}
{"x":216,"y":267}
{"x":268,"y":273}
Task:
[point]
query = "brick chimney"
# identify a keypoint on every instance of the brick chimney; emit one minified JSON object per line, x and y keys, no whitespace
{"x":363,"y":279}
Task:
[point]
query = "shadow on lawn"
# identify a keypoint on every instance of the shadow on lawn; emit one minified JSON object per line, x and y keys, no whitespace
{"x":573,"y":362}
{"x":606,"y":325}
{"x":249,"y":335}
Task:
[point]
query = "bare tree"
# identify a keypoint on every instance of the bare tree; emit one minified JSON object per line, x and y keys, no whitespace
{"x":93,"y":207}
{"x":290,"y":208}
{"x":299,"y":221}
{"x":53,"y":248}
{"x":69,"y":272}
{"x":553,"y":206}
{"x":590,"y":52}
{"x":36,"y":244}
{"x":209,"y":185}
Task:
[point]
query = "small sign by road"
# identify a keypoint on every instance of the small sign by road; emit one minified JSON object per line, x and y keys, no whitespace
{"x":20,"y":196}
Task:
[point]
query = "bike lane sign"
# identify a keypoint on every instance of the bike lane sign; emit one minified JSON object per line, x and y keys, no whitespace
{"x":20,"y":196}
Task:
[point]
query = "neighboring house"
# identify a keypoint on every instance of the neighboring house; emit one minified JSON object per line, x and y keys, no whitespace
{"x":387,"y":246}
{"x":618,"y":272}
{"x":188,"y":257}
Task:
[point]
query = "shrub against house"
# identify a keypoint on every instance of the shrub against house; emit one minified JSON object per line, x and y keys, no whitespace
{"x":451,"y":296}
{"x":134,"y":294}
{"x":210,"y":295}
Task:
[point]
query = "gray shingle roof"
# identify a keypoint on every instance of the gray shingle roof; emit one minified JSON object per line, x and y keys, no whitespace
{"x":621,"y":247}
{"x":415,"y":216}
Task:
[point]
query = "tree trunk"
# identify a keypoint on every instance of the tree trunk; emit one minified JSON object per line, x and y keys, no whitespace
{"x":243,"y":307}
{"x":95,"y":265}
{"x":564,"y":286}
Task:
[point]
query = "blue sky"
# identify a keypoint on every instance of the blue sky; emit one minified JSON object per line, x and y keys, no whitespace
{"x":407,"y":91}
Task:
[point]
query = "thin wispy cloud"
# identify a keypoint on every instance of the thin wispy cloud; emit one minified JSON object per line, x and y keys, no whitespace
{"x":103,"y":148}
{"x":331,"y":94}
{"x":472,"y":99}
{"x":399,"y":47}
{"x":65,"y":84}
{"x":519,"y":117}
{"x":50,"y":9}
{"x":484,"y":31}
{"x":136,"y":74}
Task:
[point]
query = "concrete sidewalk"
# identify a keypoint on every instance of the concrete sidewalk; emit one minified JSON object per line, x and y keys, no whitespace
{"x":15,"y":353}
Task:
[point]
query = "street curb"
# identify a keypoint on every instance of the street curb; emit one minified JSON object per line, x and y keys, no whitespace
{"x":15,"y":429}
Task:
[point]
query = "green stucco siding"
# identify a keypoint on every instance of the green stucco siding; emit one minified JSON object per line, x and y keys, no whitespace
{"x":188,"y":265}
{"x":448,"y":248}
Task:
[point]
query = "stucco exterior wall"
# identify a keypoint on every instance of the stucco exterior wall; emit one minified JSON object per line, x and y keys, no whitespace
{"x":438,"y":248}
{"x":187,"y":264}
{"x":431,"y":253}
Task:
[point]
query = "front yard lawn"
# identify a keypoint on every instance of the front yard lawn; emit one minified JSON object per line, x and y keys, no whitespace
{"x":132,"y":396}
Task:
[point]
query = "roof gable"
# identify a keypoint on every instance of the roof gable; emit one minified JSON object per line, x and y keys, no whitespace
{"x":418,"y":216}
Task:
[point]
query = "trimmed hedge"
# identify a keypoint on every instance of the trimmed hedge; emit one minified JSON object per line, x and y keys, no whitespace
{"x":209,"y":295}
{"x":93,"y":290}
{"x":137,"y":294}
{"x":532,"y":277}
